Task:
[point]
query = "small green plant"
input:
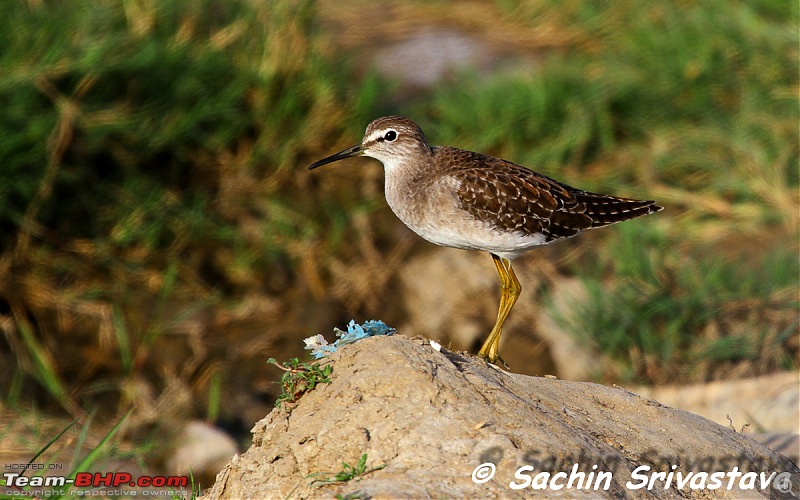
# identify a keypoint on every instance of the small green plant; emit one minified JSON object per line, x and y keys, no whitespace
{"x":348,"y":473}
{"x":299,"y":378}
{"x":195,"y":489}
{"x":353,"y":495}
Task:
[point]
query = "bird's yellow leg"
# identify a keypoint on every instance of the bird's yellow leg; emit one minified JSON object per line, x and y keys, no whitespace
{"x":504,"y":283}
{"x":510,"y":289}
{"x":501,"y":270}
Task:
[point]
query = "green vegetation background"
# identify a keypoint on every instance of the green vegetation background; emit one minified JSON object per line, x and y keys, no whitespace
{"x":159,"y":231}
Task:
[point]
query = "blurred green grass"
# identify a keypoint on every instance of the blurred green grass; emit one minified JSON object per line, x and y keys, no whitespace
{"x":159,"y":231}
{"x":150,"y":187}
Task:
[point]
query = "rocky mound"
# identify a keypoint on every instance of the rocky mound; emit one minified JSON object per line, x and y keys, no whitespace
{"x":414,"y":421}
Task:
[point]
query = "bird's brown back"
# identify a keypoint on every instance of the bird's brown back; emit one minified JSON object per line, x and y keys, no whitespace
{"x":513,"y":198}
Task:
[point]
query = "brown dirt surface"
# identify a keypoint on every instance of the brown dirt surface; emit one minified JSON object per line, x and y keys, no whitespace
{"x":430,"y":417}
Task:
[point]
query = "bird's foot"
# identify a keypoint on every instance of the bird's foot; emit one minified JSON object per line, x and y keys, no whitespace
{"x":493,"y":358}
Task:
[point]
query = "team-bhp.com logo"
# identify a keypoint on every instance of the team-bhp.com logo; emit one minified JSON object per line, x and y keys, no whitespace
{"x":95,"y":480}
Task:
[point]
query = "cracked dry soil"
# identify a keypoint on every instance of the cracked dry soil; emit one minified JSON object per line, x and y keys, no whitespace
{"x":431,"y":417}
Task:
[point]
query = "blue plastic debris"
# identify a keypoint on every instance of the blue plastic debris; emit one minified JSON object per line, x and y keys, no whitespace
{"x":320,"y":348}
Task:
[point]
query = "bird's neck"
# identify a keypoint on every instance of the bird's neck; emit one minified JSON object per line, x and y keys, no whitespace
{"x":410,"y":164}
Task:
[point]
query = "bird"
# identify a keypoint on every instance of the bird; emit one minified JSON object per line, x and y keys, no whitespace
{"x":457,"y":198}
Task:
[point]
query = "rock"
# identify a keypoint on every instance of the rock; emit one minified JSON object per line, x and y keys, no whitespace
{"x":429,"y":55}
{"x":787,"y":445}
{"x":768,"y":403}
{"x":767,"y":408}
{"x":201,"y":449}
{"x":574,"y":359}
{"x":432,"y":417}
{"x":462,"y":277}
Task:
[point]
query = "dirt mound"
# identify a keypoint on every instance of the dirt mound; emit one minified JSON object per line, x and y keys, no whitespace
{"x":440,"y":423}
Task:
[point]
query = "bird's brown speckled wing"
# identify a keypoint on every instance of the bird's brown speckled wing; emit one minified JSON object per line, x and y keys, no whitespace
{"x":516,"y":199}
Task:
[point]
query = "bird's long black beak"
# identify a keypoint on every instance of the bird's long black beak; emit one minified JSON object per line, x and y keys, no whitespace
{"x":347,"y":153}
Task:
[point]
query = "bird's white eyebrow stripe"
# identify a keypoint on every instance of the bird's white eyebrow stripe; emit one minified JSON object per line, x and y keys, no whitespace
{"x":378,"y":134}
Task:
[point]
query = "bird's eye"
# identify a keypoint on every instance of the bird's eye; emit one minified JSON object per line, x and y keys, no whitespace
{"x":390,"y":135}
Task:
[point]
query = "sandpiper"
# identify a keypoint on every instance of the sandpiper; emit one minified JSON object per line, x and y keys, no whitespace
{"x":457,"y":198}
